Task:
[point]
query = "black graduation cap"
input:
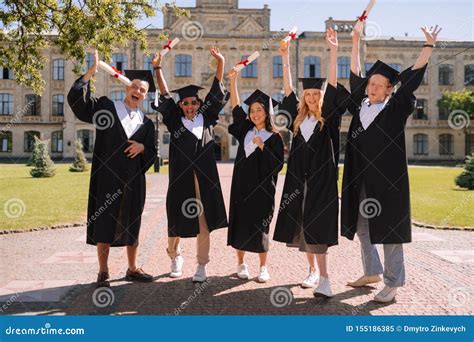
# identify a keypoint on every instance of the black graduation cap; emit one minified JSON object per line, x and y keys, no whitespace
{"x":312,"y":83}
{"x":188,"y":91}
{"x":261,"y":97}
{"x":144,"y":75}
{"x":380,"y":68}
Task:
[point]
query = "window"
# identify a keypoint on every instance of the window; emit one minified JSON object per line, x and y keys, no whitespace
{"x":89,"y":60}
{"x":446,"y":144}
{"x":166,"y":138}
{"x":5,"y":141}
{"x":443,"y":114}
{"x":58,"y":105}
{"x":343,"y":67}
{"x":149,"y":99}
{"x":312,"y":66}
{"x":58,"y":69}
{"x":183,"y":66}
{"x":118,"y":95}
{"x":420,"y":144}
{"x":6,"y":74}
{"x":420,"y":110}
{"x":120,"y":61}
{"x":6,"y":104}
{"x":446,"y":74}
{"x":469,"y":75}
{"x":277,"y":67}
{"x":87,"y":139}
{"x":396,"y":66}
{"x":147,"y":65}
{"x":57,"y":141}
{"x":30,"y":140}
{"x":469,"y":144}
{"x":250,"y":70}
{"x":33,"y":105}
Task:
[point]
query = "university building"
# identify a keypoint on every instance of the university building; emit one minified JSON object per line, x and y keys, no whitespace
{"x":237,"y":32}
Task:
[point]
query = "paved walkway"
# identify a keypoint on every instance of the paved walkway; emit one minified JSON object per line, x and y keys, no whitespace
{"x":51,"y":272}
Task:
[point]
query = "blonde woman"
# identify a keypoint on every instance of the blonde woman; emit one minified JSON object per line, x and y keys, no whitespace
{"x":308,"y":214}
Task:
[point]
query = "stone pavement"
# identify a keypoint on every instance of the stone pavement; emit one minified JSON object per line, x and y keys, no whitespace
{"x":51,"y":272}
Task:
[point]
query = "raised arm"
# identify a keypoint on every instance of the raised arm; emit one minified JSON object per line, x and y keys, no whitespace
{"x":355,"y":56}
{"x":220,"y":63}
{"x":331,"y":40}
{"x":431,"y":36}
{"x":234,"y":92}
{"x":160,"y":79}
{"x":285,"y":60}
{"x":93,"y":69}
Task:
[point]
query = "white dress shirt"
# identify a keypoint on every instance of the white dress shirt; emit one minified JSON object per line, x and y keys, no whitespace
{"x":369,"y":112}
{"x":307,"y":127}
{"x":131,"y":119}
{"x":249,"y":146}
{"x":195,"y":126}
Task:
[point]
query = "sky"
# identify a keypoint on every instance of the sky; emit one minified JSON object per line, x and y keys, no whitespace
{"x":395,"y":18}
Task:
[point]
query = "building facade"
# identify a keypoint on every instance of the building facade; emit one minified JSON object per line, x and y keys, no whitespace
{"x":237,"y":32}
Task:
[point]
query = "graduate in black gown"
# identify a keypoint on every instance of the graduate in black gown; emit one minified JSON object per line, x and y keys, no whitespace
{"x":375,"y":191}
{"x":258,"y":161}
{"x":194,"y":202}
{"x":124,"y":150}
{"x":308,"y":214}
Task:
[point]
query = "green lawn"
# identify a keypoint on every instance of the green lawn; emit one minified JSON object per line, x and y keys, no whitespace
{"x":63,"y":198}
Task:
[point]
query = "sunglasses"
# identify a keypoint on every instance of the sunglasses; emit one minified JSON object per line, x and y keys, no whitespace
{"x":186,"y":103}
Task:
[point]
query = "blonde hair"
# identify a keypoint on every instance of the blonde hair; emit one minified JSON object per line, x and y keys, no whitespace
{"x":303,"y":112}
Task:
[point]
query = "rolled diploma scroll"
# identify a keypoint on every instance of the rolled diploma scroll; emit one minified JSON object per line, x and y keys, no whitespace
{"x":247,"y":61}
{"x":291,"y":35}
{"x":115,"y":73}
{"x":363,"y":17}
{"x":171,"y":44}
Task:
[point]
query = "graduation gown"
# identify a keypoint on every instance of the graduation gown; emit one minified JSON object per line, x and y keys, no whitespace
{"x":117,"y":185}
{"x":314,"y":162}
{"x":376,"y":158}
{"x":189,"y":155}
{"x":252,"y":197}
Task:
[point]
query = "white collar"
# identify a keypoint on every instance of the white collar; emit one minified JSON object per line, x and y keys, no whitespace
{"x":130,"y":123}
{"x":195,"y":126}
{"x":369,"y":112}
{"x":249,"y":146}
{"x":307,"y":127}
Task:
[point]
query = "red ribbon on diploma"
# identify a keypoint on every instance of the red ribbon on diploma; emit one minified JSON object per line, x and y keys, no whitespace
{"x":363,"y":17}
{"x":292,"y":35}
{"x":167,"y":45}
{"x":245,"y":62}
{"x":117,"y":72}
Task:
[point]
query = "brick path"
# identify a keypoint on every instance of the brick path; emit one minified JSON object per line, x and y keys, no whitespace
{"x":50,"y":272}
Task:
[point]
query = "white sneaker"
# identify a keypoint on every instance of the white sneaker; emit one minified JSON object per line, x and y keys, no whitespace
{"x":200,"y":275}
{"x":264,"y":276}
{"x":243,"y":271}
{"x":386,"y":295}
{"x":177,"y":267}
{"x":310,"y":280}
{"x":323,"y":289}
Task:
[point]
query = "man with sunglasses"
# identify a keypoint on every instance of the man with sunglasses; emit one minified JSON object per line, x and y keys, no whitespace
{"x":194,"y":202}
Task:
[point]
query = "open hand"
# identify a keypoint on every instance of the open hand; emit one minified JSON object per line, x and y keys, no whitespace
{"x":431,"y":34}
{"x":134,"y":149}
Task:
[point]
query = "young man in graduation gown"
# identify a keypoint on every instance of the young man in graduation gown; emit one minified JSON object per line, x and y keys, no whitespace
{"x":375,"y":189}
{"x":194,"y":202}
{"x":124,"y":150}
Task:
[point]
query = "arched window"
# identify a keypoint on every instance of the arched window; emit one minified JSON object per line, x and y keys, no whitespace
{"x":5,"y":141}
{"x":420,"y":144}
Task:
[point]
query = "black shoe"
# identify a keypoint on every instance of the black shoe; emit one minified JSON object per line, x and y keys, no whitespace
{"x":102,"y":280}
{"x":138,"y":275}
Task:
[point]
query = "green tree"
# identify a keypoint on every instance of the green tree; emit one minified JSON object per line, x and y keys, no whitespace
{"x":80,"y":163}
{"x":43,"y":166}
{"x":466,"y":179}
{"x":457,"y":101}
{"x":29,"y":26}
